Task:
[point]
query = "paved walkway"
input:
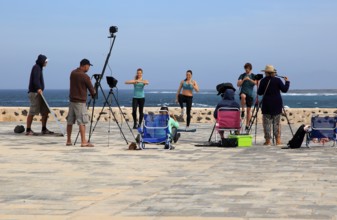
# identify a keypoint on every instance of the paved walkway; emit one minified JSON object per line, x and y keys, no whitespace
{"x":41,"y":178}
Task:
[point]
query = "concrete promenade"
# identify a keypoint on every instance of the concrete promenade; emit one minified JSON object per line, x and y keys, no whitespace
{"x":41,"y":178}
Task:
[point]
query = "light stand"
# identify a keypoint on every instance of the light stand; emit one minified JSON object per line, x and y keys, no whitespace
{"x":98,"y":78}
{"x":255,"y":112}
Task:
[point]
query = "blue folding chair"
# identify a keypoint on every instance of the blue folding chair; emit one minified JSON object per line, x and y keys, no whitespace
{"x":323,"y":128}
{"x":155,"y":130}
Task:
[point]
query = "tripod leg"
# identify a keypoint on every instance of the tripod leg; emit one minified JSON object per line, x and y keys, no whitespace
{"x":99,"y":117}
{"x":285,"y":114}
{"x":121,"y":111}
{"x":255,"y":128}
{"x":120,"y":129}
{"x":92,"y":119}
{"x":210,"y":137}
{"x":253,"y":118}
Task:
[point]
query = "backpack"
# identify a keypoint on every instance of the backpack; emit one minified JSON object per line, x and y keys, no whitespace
{"x":19,"y":129}
{"x":298,"y":138}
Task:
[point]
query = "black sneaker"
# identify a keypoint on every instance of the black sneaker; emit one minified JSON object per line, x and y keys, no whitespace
{"x":138,"y":139}
{"x":47,"y":132}
{"x":176,"y":138}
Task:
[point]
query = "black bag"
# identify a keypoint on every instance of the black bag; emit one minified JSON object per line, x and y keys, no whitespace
{"x":19,"y":129}
{"x":298,"y":138}
{"x":229,"y":142}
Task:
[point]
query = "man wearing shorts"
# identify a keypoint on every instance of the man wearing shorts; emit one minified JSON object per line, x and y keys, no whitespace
{"x":79,"y":85}
{"x":247,"y":82}
{"x":37,"y":105}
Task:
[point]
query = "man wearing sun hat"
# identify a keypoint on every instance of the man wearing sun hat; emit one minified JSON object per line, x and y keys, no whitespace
{"x":272,"y":104}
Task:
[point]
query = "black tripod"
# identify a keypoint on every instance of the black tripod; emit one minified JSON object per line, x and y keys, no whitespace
{"x":109,"y":104}
{"x":98,"y":78}
{"x":253,"y":118}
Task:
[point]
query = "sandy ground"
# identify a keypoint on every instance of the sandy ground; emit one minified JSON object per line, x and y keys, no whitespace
{"x":41,"y":178}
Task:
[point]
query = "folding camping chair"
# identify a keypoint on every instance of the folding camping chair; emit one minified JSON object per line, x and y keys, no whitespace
{"x":155,"y":130}
{"x":323,"y":129}
{"x":228,"y":120}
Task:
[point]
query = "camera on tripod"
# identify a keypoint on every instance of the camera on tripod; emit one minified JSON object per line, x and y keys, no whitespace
{"x":113,"y":30}
{"x":96,"y":76}
{"x":112,"y":82}
{"x":283,"y":77}
{"x":258,"y":76}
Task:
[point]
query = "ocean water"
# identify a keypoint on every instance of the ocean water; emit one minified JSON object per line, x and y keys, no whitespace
{"x":205,"y":98}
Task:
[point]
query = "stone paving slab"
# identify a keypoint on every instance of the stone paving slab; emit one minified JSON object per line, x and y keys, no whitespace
{"x":41,"y":178}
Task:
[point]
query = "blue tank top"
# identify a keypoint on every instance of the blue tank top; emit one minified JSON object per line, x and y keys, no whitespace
{"x":187,"y":86}
{"x":138,"y":90}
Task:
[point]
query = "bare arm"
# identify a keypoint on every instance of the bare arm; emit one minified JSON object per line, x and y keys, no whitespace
{"x":195,"y":86}
{"x":240,"y":81}
{"x":179,"y":90}
{"x":146,"y":82}
{"x":130,"y":82}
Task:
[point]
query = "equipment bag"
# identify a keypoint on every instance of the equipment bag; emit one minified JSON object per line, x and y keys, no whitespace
{"x":297,"y":139}
{"x":19,"y":129}
{"x":228,"y":142}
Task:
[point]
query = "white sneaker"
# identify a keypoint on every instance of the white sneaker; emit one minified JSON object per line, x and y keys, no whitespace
{"x":182,"y":112}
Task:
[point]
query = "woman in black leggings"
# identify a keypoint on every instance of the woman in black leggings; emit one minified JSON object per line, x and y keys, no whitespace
{"x":138,"y":99}
{"x":187,"y":86}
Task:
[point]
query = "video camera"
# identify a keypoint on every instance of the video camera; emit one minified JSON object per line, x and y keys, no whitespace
{"x":258,"y":76}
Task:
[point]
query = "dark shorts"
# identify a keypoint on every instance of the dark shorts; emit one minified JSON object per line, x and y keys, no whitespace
{"x":249,"y":100}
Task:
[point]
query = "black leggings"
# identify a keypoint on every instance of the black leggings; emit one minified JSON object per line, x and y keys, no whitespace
{"x":188,"y":100}
{"x":135,"y":103}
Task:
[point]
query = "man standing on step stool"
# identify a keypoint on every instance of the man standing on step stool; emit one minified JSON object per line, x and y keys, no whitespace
{"x":247,"y":82}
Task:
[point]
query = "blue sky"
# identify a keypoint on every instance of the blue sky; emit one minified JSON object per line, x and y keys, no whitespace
{"x":213,"y":38}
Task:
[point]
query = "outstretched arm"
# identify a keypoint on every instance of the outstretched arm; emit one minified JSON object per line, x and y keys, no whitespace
{"x":195,"y":86}
{"x":239,"y":83}
{"x":130,"y":82}
{"x":179,"y":90}
{"x":146,"y":82}
{"x":285,"y":87}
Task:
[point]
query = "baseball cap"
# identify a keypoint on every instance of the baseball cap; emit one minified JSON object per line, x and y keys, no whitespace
{"x":85,"y":62}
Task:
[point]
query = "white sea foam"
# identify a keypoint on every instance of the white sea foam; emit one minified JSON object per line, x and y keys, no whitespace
{"x":174,"y":92}
{"x":309,"y":94}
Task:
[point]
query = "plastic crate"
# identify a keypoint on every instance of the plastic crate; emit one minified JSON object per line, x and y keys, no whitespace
{"x":243,"y":140}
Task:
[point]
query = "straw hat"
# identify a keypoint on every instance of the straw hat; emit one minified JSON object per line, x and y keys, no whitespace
{"x":269,"y":69}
